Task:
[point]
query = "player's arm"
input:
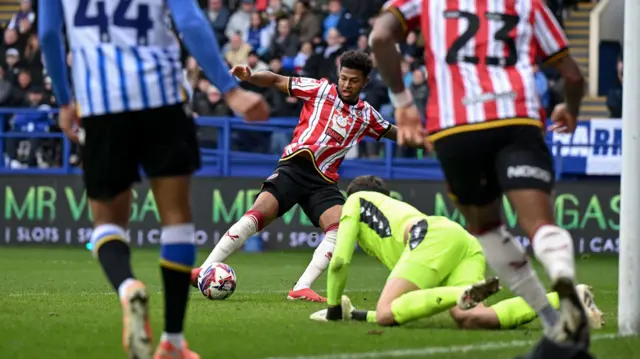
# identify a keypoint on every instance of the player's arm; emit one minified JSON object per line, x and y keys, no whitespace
{"x":553,"y":45}
{"x":380,"y":128}
{"x":50,"y":21}
{"x":199,"y":39}
{"x":268,"y":79}
{"x":391,"y":27}
{"x":341,"y":259}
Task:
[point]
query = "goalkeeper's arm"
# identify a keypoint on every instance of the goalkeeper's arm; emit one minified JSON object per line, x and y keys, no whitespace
{"x":339,"y":266}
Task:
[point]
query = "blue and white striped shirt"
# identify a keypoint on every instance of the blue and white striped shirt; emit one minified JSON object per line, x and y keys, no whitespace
{"x":125,"y":55}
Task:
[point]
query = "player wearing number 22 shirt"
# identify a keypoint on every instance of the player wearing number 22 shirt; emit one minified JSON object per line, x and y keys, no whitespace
{"x":486,"y":123}
{"x":333,"y":120}
{"x":128,"y":85}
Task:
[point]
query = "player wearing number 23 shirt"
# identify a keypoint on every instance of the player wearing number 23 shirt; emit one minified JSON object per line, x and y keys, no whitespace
{"x":129,"y":89}
{"x":485,"y":121}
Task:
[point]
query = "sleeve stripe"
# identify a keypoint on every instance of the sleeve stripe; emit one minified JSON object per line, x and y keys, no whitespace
{"x":289,"y":87}
{"x":398,"y":14}
{"x":557,"y":56}
{"x":383,"y":134}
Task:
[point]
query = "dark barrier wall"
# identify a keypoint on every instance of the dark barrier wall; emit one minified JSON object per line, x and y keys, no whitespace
{"x":41,"y":210}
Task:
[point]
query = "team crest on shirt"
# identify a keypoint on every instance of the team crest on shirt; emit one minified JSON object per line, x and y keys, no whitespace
{"x":338,"y":127}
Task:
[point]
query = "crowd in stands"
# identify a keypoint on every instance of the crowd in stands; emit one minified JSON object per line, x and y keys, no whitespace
{"x":289,"y":37}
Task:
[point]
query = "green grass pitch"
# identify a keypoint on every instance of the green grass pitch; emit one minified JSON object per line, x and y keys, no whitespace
{"x":56,"y":304}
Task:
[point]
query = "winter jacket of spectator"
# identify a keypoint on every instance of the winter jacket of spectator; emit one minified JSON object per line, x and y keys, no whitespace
{"x":239,"y":56}
{"x":286,"y":47}
{"x":346,"y":24}
{"x":259,"y":39}
{"x":240,"y":22}
{"x":219,"y":23}
{"x":320,"y":66}
{"x":308,"y":27}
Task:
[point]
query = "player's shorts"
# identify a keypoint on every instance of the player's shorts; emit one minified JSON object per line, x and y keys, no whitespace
{"x":296,"y":181}
{"x":481,"y":165}
{"x":161,"y":140}
{"x":440,"y":253}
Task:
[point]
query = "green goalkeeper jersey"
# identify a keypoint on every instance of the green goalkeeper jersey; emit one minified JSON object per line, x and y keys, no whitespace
{"x":377,"y":223}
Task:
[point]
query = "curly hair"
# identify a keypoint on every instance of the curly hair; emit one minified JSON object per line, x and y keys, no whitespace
{"x":357,"y":60}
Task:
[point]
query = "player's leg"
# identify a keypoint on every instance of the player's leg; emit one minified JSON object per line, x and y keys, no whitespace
{"x":323,"y":206}
{"x":169,"y":156}
{"x":476,"y":191}
{"x":525,"y":170}
{"x":277,"y":195}
{"x":110,"y":167}
{"x":415,"y":288}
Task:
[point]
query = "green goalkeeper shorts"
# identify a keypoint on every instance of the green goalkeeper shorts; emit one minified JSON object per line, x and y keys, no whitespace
{"x":440,"y":252}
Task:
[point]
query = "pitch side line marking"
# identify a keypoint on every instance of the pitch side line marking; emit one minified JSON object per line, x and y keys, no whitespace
{"x":430,"y":351}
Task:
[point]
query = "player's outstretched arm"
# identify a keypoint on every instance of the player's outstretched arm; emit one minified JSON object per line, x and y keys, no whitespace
{"x":50,"y":20}
{"x":261,"y":78}
{"x":387,"y":31}
{"x":341,"y":259}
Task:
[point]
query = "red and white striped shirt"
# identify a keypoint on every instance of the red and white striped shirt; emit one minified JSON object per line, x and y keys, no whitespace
{"x":329,"y":128}
{"x":480,"y":57}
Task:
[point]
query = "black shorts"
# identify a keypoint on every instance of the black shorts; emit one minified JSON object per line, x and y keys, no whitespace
{"x":296,"y":181}
{"x":161,"y":140}
{"x":481,"y":165}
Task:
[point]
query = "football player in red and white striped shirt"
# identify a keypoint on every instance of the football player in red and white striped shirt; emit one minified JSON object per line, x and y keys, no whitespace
{"x":333,"y":121}
{"x":486,"y":123}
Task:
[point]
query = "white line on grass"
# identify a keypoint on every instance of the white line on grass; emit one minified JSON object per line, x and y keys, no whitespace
{"x":429,"y":351}
{"x":40,"y":294}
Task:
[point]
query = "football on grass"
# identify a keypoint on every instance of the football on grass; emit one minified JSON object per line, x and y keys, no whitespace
{"x":217,"y":281}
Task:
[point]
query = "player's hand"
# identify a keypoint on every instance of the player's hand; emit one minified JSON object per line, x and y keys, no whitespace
{"x":241,"y":72}
{"x":69,"y":123}
{"x":251,"y":105}
{"x":410,"y":130}
{"x":563,"y":120}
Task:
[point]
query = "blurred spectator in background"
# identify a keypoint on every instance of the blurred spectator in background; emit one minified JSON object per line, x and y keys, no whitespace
{"x":410,"y":49}
{"x":259,"y":35}
{"x":236,"y":51}
{"x":24,"y":18}
{"x":32,"y":55}
{"x":306,"y":50}
{"x":363,"y":43}
{"x":240,"y":21}
{"x":255,"y":64}
{"x":219,"y":16}
{"x":192,"y":71}
{"x":209,"y":103}
{"x":285,"y":43}
{"x":322,"y":64}
{"x":341,"y":20}
{"x":306,"y":24}
{"x":11,"y":59}
{"x":278,"y":8}
{"x":614,"y":98}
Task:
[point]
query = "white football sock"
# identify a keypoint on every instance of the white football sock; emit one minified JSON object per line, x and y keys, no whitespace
{"x":319,"y":262}
{"x":176,"y":339}
{"x":509,"y":261}
{"x":233,"y":240}
{"x":122,"y":289}
{"x":553,"y":246}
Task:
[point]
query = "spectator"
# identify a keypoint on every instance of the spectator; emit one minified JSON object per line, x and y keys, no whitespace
{"x":192,"y":71}
{"x":306,"y":50}
{"x":11,"y":60}
{"x":255,"y":64}
{"x":410,"y":49}
{"x":285,"y":43}
{"x":322,"y":64}
{"x":237,"y":51}
{"x":419,"y":90}
{"x":240,"y":21}
{"x":32,"y":55}
{"x":278,"y":8}
{"x":614,"y":97}
{"x":17,"y":149}
{"x":24,"y":82}
{"x":13,"y":40}
{"x":259,"y":35}
{"x":305,"y":23}
{"x":363,"y":43}
{"x":218,"y":15}
{"x":24,"y":18}
{"x":209,"y":103}
{"x":343,"y":21}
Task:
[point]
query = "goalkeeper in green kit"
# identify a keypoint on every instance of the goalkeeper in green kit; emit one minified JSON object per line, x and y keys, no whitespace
{"x":435,"y":264}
